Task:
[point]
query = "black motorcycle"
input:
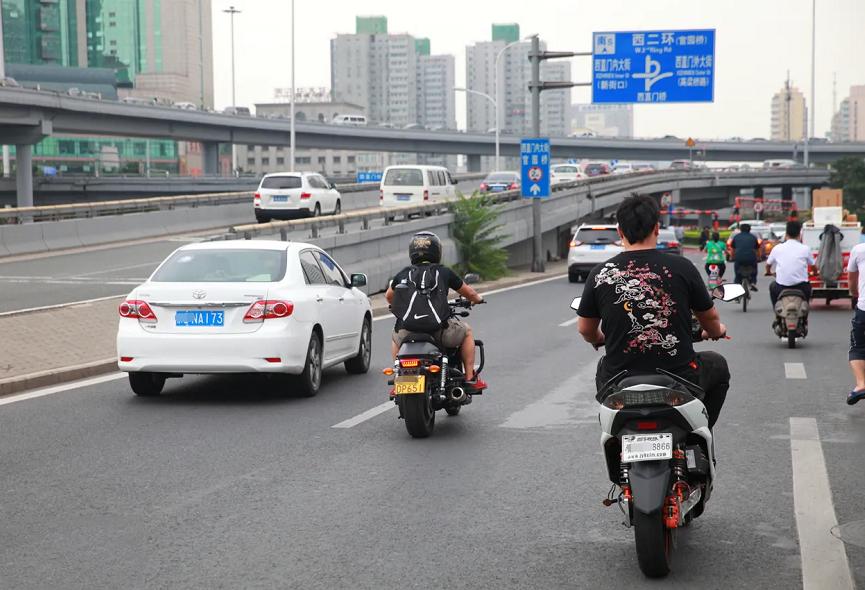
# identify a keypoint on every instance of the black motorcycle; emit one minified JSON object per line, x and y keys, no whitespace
{"x":428,"y":378}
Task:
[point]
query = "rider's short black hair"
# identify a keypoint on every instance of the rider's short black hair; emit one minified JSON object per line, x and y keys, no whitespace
{"x":794,"y":228}
{"x":745,"y":227}
{"x":716,"y":237}
{"x":637,"y":216}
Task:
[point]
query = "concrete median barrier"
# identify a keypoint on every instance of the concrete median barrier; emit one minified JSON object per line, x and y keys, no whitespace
{"x":61,"y":234}
{"x":23,"y":239}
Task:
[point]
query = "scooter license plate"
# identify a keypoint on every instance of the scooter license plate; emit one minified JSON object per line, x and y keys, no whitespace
{"x":647,"y":447}
{"x":409,"y":384}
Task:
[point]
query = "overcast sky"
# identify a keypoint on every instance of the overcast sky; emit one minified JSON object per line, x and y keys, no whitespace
{"x":757,"y":42}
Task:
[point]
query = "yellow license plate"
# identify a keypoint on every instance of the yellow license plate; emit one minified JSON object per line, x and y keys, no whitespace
{"x":410,"y":384}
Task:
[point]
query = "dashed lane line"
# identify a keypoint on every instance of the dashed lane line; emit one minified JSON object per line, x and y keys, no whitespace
{"x":11,"y":399}
{"x":824,"y":559}
{"x":364,"y":416}
{"x":795,"y":371}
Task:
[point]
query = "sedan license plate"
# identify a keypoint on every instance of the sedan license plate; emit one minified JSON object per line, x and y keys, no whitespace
{"x":497,"y":189}
{"x":199,"y":318}
{"x":599,"y":246}
{"x":279,"y":198}
{"x":647,"y":447}
{"x":409,"y":384}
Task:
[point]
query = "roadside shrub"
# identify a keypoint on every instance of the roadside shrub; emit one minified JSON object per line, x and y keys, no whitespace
{"x":475,"y":231}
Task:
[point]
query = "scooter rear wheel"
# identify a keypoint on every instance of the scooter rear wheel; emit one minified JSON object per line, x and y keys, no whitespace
{"x":791,"y":341}
{"x":654,"y":543}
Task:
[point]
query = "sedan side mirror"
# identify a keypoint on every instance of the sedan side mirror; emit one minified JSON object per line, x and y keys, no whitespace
{"x":728,"y":292}
{"x":575,"y":304}
{"x":358,"y":280}
{"x":472,"y":278}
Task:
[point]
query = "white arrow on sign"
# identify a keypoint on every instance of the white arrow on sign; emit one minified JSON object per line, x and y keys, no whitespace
{"x":535,"y":189}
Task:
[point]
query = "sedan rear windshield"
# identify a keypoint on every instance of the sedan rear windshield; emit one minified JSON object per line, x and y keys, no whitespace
{"x":403,"y":177}
{"x":594,"y":168}
{"x":597,"y":236}
{"x":503,"y":177}
{"x":565,"y":169}
{"x":222,"y":266}
{"x":280,"y":182}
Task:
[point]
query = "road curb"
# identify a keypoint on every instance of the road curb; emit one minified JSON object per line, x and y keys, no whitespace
{"x":55,"y":376}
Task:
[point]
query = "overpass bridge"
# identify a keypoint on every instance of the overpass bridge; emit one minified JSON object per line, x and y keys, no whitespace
{"x":26,"y":116}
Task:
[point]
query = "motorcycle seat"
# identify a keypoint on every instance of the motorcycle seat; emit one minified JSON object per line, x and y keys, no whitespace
{"x":649,"y":379}
{"x":791,"y":293}
{"x":420,"y":337}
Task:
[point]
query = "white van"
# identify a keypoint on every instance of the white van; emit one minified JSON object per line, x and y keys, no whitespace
{"x":356,"y":120}
{"x":415,"y":185}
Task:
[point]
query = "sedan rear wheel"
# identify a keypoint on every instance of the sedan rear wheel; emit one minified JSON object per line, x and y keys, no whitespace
{"x":146,"y":384}
{"x":338,"y":208}
{"x":309,"y":381}
{"x":359,"y":364}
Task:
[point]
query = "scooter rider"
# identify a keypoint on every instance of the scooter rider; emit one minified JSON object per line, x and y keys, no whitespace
{"x":425,"y":249}
{"x":745,"y":246}
{"x":789,"y":262}
{"x":638,"y":306}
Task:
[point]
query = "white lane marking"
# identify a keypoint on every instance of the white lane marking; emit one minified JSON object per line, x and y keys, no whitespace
{"x":104,"y":270}
{"x":570,"y":322}
{"x":824,"y":560}
{"x":60,"y":388}
{"x":364,"y":416}
{"x":567,"y":405}
{"x":58,"y":305}
{"x":795,"y":371}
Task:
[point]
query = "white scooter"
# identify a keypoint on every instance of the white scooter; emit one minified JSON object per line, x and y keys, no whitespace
{"x":659,"y":452}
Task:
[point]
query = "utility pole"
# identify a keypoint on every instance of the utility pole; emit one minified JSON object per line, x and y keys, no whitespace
{"x":232,"y":11}
{"x":809,"y":130}
{"x":201,"y":50}
{"x":6,"y":172}
{"x":787,"y":98}
{"x":536,"y":87}
{"x":291,"y":133}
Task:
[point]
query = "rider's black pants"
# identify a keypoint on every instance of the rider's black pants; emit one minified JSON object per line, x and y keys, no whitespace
{"x":712,"y":375}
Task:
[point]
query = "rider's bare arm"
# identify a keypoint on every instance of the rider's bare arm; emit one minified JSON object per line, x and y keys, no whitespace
{"x":853,"y":279}
{"x":590,"y":330}
{"x":469,"y":294}
{"x":388,"y":295}
{"x":710,"y":321}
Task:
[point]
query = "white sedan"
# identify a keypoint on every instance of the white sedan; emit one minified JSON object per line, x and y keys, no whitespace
{"x":244,"y":307}
{"x":285,"y":195}
{"x":560,"y":173}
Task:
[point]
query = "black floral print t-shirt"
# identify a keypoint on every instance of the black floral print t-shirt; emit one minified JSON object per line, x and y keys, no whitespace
{"x":644,"y":300}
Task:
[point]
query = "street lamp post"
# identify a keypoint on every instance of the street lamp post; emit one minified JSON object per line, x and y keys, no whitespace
{"x":231,"y":11}
{"x":6,"y":172}
{"x":809,"y":132}
{"x":291,"y":133}
{"x":498,"y":99}
{"x":495,"y":108}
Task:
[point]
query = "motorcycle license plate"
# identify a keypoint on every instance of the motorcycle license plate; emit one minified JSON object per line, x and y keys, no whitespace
{"x":647,"y":447}
{"x":409,"y":384}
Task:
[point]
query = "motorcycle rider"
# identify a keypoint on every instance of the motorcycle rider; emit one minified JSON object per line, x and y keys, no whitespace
{"x":715,"y":249}
{"x":638,"y":306}
{"x":425,"y":249}
{"x":745,"y":246}
{"x":789,"y":262}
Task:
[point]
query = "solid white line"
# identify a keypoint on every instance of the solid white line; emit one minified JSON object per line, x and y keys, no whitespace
{"x":60,"y":388}
{"x":363,"y":417}
{"x":795,"y":371}
{"x":824,"y":560}
{"x":58,"y":305}
{"x":570,"y":322}
{"x":104,"y":270}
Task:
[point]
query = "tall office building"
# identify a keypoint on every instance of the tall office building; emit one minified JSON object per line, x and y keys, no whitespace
{"x":436,"y":104}
{"x":789,"y":114}
{"x":555,"y":104}
{"x":607,"y":120}
{"x":848,"y":124}
{"x":376,"y":70}
{"x":42,"y":32}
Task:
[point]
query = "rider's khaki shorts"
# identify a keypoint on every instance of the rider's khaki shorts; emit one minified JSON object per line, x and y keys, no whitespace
{"x":450,"y":337}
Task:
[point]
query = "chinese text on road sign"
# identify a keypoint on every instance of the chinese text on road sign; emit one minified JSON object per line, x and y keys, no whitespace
{"x":535,"y":167}
{"x":370,"y":176}
{"x":653,"y":66}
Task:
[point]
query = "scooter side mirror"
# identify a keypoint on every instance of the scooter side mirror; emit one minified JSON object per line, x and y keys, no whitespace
{"x":472,"y":278}
{"x":575,"y":304}
{"x":728,"y":292}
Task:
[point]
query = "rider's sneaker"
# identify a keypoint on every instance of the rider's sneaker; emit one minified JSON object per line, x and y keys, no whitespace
{"x":854,"y":396}
{"x":477,"y":384}
{"x":754,"y":288}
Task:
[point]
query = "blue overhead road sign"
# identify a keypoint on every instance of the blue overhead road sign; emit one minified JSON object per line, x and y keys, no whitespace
{"x":535,"y":168}
{"x":653,"y":66}
{"x":369,"y":176}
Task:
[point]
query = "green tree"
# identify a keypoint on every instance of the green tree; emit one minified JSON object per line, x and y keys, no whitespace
{"x":849,"y":174}
{"x":476,"y":233}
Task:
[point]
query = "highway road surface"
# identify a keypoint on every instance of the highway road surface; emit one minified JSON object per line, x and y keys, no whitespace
{"x":226,"y":483}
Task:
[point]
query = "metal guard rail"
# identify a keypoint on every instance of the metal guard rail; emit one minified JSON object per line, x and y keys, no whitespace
{"x":597,"y":186}
{"x":123,"y":206}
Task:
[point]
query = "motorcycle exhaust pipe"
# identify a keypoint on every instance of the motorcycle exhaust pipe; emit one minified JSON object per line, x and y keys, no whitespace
{"x":458,"y":394}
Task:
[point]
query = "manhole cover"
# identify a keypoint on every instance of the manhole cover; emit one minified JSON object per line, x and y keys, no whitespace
{"x":851,"y":532}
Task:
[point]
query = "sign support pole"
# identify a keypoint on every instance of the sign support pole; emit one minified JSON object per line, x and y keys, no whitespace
{"x":537,"y":239}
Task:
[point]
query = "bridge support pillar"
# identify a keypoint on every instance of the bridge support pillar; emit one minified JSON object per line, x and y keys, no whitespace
{"x":473,"y":163}
{"x":210,"y":152}
{"x":24,"y":174}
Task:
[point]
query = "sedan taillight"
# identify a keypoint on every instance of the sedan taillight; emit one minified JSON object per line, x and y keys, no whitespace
{"x":137,"y":309}
{"x":514,"y":186}
{"x":304,"y":196}
{"x":483,"y":187}
{"x":575,"y":243}
{"x":256,"y":200}
{"x":270,"y":309}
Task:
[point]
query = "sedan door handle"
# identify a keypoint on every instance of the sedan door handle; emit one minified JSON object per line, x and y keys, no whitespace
{"x":319,"y":298}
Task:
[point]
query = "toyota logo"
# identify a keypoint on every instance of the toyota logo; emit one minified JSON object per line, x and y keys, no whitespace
{"x":199,"y":294}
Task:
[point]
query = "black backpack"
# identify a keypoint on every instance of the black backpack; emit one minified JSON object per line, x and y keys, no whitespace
{"x":420,"y":303}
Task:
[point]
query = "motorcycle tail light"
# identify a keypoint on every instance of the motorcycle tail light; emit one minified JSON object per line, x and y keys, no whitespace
{"x":408,"y":363}
{"x":649,"y":397}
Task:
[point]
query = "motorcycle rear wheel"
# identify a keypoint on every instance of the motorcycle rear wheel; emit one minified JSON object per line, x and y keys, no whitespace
{"x":418,"y":415}
{"x":654,"y":543}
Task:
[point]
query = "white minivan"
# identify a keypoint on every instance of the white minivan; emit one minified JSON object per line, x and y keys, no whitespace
{"x":357,"y":120}
{"x":414,"y":185}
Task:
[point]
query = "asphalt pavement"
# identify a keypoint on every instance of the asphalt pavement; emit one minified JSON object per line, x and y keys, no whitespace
{"x":67,"y":276}
{"x":225,"y":483}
